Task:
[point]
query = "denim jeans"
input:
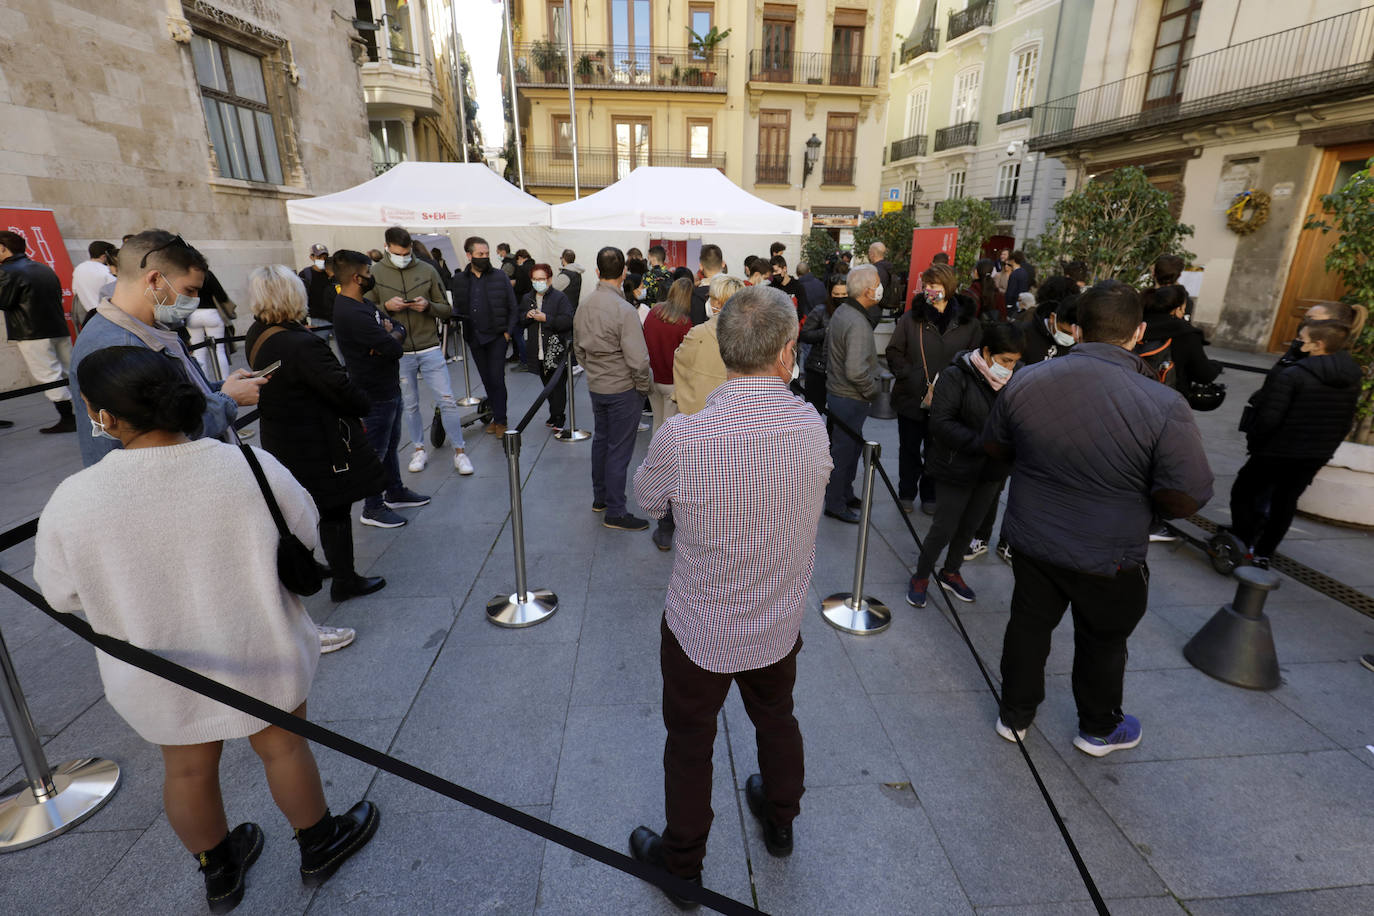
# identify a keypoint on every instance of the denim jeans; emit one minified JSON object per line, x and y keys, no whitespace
{"x":431,"y":366}
{"x":845,"y":450}
{"x":613,"y":443}
{"x":383,"y":425}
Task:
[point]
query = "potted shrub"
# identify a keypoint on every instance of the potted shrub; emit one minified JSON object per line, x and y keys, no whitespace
{"x":1344,"y":490}
{"x":677,"y":75}
{"x":584,"y":68}
{"x":549,"y":58}
{"x":691,"y":76}
{"x":704,"y":47}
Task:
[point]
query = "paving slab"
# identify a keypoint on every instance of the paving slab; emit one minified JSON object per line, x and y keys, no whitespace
{"x":1123,"y":906}
{"x":1338,"y":900}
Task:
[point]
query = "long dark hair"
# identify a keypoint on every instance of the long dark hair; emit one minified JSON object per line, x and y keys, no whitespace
{"x":987,"y":289}
{"x":143,"y":388}
{"x":1003,"y":338}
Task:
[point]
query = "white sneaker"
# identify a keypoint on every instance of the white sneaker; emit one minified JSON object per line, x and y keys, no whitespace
{"x":644,"y":427}
{"x":418,"y":461}
{"x":332,"y":639}
{"x":976,"y":549}
{"x":1005,"y":732}
{"x":462,"y":464}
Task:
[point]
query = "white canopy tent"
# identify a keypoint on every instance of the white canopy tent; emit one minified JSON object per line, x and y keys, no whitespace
{"x":449,"y":198}
{"x":658,"y":202}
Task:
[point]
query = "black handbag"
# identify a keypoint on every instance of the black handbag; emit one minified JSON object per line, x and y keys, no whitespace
{"x":436,"y":428}
{"x":296,"y":567}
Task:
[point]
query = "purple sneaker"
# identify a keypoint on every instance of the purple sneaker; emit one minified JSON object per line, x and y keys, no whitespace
{"x":1127,"y":735}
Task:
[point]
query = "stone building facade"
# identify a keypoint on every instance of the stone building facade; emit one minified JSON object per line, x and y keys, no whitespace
{"x":199,"y":116}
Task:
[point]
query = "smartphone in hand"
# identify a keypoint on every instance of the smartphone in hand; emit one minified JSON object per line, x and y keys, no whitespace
{"x":266,"y":370}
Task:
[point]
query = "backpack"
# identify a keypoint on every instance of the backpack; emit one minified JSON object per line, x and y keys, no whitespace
{"x":574,"y":290}
{"x":1159,"y":356}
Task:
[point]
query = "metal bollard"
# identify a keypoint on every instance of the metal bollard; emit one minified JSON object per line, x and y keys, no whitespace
{"x":853,"y":611}
{"x":48,"y":801}
{"x":571,"y":433}
{"x":882,"y":407}
{"x":212,"y":359}
{"x":463,"y":354}
{"x":1236,"y":645}
{"x":526,"y":606}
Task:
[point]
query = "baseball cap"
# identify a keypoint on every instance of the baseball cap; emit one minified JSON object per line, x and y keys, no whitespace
{"x":318,"y":250}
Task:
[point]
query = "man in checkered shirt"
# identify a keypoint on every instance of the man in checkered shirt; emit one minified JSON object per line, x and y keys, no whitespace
{"x":746,"y":478}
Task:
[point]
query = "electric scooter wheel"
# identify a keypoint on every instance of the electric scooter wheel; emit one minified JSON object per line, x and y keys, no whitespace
{"x":1226,"y":552}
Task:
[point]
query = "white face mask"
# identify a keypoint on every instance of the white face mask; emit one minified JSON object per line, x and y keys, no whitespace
{"x":98,"y":430}
{"x":877,"y":293}
{"x":1063,"y":339}
{"x":641,"y":294}
{"x":400,"y":261}
{"x":319,"y":263}
{"x":173,"y":314}
{"x":999,"y":371}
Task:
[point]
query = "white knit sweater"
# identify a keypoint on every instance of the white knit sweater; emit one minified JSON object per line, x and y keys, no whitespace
{"x":173,"y":549}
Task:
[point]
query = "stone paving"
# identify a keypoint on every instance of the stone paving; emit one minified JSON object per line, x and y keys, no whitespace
{"x":1236,"y":802}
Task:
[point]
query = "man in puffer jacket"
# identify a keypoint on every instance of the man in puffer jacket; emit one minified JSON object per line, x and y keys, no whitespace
{"x":1295,"y":427}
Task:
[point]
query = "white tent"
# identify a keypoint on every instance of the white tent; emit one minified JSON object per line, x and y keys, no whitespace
{"x":451,"y":198}
{"x":657,"y":202}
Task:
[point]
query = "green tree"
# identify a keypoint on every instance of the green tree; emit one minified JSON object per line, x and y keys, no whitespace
{"x":976,"y":221}
{"x":1117,"y":226}
{"x":1349,"y":210}
{"x":893,"y":230}
{"x":816,"y":248}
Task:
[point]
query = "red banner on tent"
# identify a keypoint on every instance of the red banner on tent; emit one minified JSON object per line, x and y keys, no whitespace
{"x":676,"y":251}
{"x":40,"y":232}
{"x":925,"y":245}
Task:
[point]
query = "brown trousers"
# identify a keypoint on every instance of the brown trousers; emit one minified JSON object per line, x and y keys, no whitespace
{"x":692,"y":699}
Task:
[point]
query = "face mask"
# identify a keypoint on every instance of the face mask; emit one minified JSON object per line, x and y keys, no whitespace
{"x":319,"y":263}
{"x":796,"y":370}
{"x":174,"y":314}
{"x":934,"y":296}
{"x":641,"y":294}
{"x":482,"y":264}
{"x":400,"y":261}
{"x":541,"y":286}
{"x":1063,"y":339}
{"x":999,"y":371}
{"x":878,"y":293}
{"x":365,"y":284}
{"x":98,"y":430}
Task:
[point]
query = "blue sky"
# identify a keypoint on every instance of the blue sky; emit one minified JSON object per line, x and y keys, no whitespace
{"x":479,"y":22}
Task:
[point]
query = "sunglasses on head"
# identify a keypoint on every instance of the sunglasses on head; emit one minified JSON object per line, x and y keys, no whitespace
{"x":176,"y":240}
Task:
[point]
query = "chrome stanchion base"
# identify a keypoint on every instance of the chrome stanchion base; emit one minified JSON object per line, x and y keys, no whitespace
{"x":469,"y":401}
{"x":571,"y":434}
{"x":83,"y":788}
{"x":509,"y":611}
{"x":870,"y":616}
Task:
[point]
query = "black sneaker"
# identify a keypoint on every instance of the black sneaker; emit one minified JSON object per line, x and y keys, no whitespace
{"x":224,"y":868}
{"x":777,"y":839}
{"x":625,"y":522}
{"x":350,"y":832}
{"x":1367,"y":661}
{"x":647,"y":847}
{"x":598,"y":507}
{"x":405,"y":498}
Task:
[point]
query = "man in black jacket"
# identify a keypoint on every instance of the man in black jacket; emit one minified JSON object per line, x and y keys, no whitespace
{"x":1291,"y":432}
{"x":1167,"y":330}
{"x":484,"y":300}
{"x":371,"y":347}
{"x":711,"y":261}
{"x":877,"y":256}
{"x":319,"y":284}
{"x":1129,"y":451}
{"x":31,"y":298}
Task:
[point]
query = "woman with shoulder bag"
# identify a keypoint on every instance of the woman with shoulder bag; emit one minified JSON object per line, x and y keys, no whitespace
{"x":310,"y":419}
{"x":195,"y":581}
{"x":546,"y":314}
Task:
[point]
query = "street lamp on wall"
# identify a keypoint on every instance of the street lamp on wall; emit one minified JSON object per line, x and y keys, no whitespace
{"x":813,"y":151}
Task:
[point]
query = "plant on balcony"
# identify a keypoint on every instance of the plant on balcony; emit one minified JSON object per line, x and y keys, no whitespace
{"x":548,"y":57}
{"x":691,"y":77}
{"x":1349,"y":210}
{"x":893,"y":230}
{"x":1116,"y":225}
{"x":584,"y":68}
{"x":818,"y":248}
{"x":976,"y":221}
{"x":704,"y":47}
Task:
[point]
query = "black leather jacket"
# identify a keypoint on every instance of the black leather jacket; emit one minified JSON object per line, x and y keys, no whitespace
{"x":31,"y":298}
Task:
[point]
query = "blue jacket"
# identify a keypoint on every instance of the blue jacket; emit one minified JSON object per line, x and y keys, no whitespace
{"x":101,"y":331}
{"x":493,"y":315}
{"x":1099,"y":450}
{"x":371,"y":353}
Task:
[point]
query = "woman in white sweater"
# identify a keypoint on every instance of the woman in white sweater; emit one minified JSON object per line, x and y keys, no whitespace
{"x":168,"y":543}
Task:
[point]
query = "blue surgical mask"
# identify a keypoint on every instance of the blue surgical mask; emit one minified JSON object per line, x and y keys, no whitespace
{"x":399,"y":261}
{"x":1063,"y":338}
{"x":999,"y":371}
{"x":641,"y":294}
{"x":98,"y":430}
{"x":541,"y":286}
{"x":174,"y":314}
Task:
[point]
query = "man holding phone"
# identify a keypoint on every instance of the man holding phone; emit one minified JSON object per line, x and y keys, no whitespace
{"x":411,"y":293}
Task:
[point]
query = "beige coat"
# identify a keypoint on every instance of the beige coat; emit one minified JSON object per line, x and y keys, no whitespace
{"x":698,"y":369}
{"x":609,"y":342}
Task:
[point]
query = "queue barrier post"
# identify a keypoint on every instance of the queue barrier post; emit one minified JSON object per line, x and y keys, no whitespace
{"x":1237,"y":645}
{"x":47,"y":801}
{"x":212,"y":358}
{"x":853,"y":611}
{"x":526,"y":606}
{"x":466,"y":400}
{"x":571,"y":433}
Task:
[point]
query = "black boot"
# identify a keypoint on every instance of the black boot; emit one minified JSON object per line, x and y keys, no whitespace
{"x":66,"y":419}
{"x":328,"y":844}
{"x":336,"y":539}
{"x":778,"y":839}
{"x":647,"y":847}
{"x":225,"y":866}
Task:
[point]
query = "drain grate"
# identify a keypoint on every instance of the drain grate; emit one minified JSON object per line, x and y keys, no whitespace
{"x":1301,"y":572}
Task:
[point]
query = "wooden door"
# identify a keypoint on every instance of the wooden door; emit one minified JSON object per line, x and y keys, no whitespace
{"x":1309,"y":282}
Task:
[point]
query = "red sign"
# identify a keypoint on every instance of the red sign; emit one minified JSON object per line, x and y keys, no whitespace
{"x":925,"y":245}
{"x":39,"y":229}
{"x":676,"y":251}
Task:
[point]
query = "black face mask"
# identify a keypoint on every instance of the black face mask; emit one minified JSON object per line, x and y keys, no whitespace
{"x":365,"y":284}
{"x":482,"y":264}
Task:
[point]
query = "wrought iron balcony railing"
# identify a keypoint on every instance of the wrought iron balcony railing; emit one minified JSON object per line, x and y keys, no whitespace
{"x":1004,"y":207}
{"x":837,"y":170}
{"x":925,"y":44}
{"x":911,"y":146}
{"x":812,"y":68}
{"x":973,"y":16}
{"x":599,"y":167}
{"x":772,"y":169}
{"x":1017,"y":114}
{"x":543,"y":63}
{"x":1321,"y":61}
{"x":965,"y":134}
{"x":378,"y":167}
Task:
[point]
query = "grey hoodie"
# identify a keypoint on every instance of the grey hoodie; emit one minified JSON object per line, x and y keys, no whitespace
{"x":560,"y":281}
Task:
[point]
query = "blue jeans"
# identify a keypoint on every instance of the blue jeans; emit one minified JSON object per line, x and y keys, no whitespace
{"x":383,"y":424}
{"x":844,"y":450}
{"x":613,"y":443}
{"x":431,"y":366}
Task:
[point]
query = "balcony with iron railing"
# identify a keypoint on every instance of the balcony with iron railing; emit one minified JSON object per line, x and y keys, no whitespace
{"x":837,"y":170}
{"x":813,"y":69}
{"x":974,"y":16}
{"x":621,"y":67}
{"x":551,"y":166}
{"x":1016,"y":114}
{"x":1322,"y":61}
{"x":956,"y":135}
{"x":772,"y":169}
{"x":381,"y":166}
{"x":925,"y":44}
{"x":911,"y":146}
{"x":1003,"y":207}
